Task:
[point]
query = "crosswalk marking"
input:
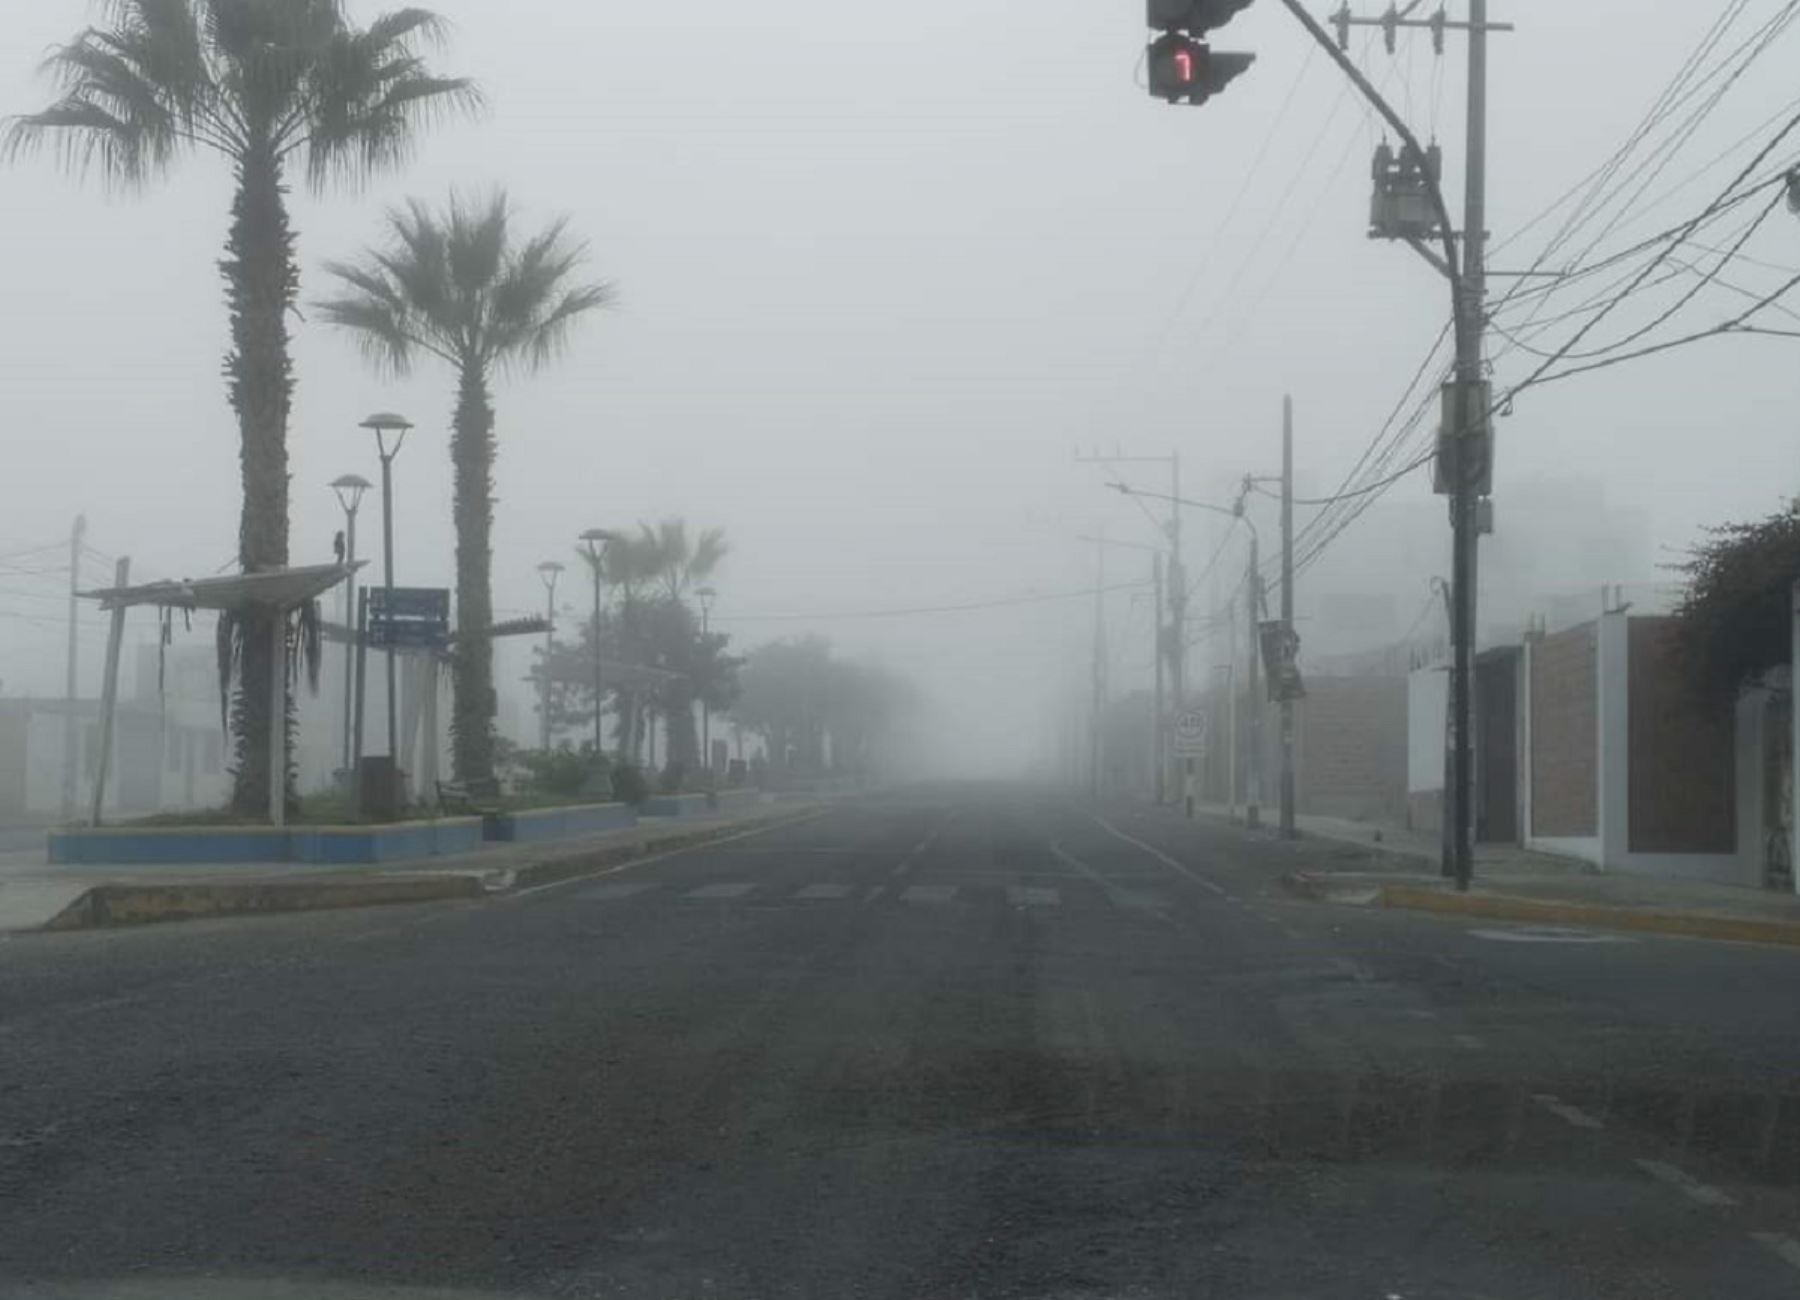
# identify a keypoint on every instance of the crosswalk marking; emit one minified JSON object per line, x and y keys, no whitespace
{"x":1028,"y":896}
{"x":733,"y":890}
{"x":824,"y":892}
{"x":928,"y":893}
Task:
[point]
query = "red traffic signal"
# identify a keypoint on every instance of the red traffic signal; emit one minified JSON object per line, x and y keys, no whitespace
{"x":1182,"y":69}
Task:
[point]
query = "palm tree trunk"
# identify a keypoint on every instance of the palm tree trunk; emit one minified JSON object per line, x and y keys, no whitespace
{"x":261,"y":282}
{"x":472,"y":452}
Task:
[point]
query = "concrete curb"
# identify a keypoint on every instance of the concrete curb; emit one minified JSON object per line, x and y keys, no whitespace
{"x":115,"y":905}
{"x":1501,"y":907}
{"x":106,"y":906}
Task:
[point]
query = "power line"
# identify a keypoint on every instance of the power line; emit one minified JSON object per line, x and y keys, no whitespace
{"x":1003,"y":602}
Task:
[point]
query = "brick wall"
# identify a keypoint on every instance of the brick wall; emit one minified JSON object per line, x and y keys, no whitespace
{"x":1565,"y":723}
{"x":1350,"y":748}
{"x":1683,"y":777}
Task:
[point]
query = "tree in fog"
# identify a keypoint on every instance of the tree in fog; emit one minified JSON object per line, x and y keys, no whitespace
{"x":814,"y":710}
{"x":269,"y":85}
{"x":457,"y":286}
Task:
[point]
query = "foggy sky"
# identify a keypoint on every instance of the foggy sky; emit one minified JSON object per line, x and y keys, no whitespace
{"x":881,"y":269}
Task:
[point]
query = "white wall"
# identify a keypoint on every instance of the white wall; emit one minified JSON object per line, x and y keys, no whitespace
{"x":1427,"y":714}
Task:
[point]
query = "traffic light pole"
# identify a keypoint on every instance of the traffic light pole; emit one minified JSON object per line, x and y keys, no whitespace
{"x":1253,"y":600}
{"x":1467,"y":286}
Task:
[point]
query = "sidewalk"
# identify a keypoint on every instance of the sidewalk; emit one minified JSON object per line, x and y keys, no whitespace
{"x":1400,"y":868}
{"x":37,"y":896}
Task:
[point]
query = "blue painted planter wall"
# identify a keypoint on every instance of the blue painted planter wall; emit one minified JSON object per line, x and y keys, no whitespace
{"x":324,"y":845}
{"x":560,"y":823}
{"x":675,"y":805}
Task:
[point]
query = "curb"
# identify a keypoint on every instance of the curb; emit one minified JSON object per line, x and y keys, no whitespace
{"x":113,"y":906}
{"x":1500,"y":907}
{"x":107,"y":906}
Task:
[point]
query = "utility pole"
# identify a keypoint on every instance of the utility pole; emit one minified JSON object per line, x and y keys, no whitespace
{"x":77,"y":535}
{"x":1176,"y":578}
{"x":1095,"y":743}
{"x":1465,"y":456}
{"x":1158,"y":737}
{"x":1288,"y":830}
{"x":1253,"y":603}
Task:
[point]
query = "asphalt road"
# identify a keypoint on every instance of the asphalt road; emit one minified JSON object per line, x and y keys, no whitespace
{"x":947,"y":1044}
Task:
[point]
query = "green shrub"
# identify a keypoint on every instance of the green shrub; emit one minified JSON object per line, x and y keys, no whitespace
{"x":560,"y":772}
{"x":629,"y":785}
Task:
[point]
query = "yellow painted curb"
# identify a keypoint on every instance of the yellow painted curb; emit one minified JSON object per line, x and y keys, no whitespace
{"x":1501,"y":907}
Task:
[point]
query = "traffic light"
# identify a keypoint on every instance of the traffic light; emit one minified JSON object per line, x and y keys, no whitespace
{"x":1183,"y":68}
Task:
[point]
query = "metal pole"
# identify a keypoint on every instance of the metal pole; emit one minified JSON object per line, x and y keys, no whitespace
{"x":1178,"y":596}
{"x":350,"y":644}
{"x":1158,"y":743}
{"x":1469,"y":420}
{"x":70,"y":783}
{"x":1288,"y":830}
{"x":109,"y":691}
{"x":387,"y":537}
{"x":362,"y":674}
{"x":1253,"y":783}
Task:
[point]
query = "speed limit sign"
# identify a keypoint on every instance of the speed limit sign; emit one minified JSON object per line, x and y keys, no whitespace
{"x":1190,"y":732}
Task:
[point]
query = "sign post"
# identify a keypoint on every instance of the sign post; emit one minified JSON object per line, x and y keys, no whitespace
{"x":1189,"y":737}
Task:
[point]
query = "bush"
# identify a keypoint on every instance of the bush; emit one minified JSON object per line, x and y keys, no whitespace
{"x":670,"y":780}
{"x":562,"y":772}
{"x":629,"y":785}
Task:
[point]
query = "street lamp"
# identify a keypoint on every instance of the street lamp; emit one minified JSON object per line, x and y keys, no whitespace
{"x":549,"y":571}
{"x":349,"y":489}
{"x":706,"y":596}
{"x":595,"y":541}
{"x":384,"y":423}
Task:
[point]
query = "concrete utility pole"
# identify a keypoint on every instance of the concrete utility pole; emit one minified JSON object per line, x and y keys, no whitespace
{"x":1096,"y":740}
{"x":1253,"y":603}
{"x":1176,"y":649}
{"x":77,"y":536}
{"x":1158,"y":738}
{"x":1288,"y":830}
{"x":1465,"y":446}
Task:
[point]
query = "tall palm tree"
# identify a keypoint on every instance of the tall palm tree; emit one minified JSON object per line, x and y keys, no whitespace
{"x":269,"y":85}
{"x":456,"y":286}
{"x":681,"y":561}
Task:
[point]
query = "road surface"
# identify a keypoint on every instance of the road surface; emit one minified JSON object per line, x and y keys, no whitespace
{"x":963,"y":1044}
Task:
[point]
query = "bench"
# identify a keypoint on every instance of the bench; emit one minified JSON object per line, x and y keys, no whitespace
{"x":476,"y":798}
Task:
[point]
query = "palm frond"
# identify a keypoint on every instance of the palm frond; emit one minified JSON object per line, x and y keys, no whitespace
{"x":371,"y":93}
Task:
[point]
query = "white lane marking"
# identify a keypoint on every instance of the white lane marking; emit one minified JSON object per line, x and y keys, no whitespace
{"x":1685,"y":1184}
{"x":824,"y":891}
{"x":1783,"y":1245}
{"x":606,"y":893}
{"x":1549,"y":934}
{"x":734,"y":889}
{"x":1565,"y":1112}
{"x":1469,"y":1042}
{"x":903,"y":868}
{"x":635,"y":863}
{"x":874,"y":894}
{"x":928,"y":893}
{"x":1160,"y":856}
{"x":1026,"y":896}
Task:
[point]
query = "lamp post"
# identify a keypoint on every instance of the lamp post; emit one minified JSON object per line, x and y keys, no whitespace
{"x":349,"y":489}
{"x":549,"y":571}
{"x":384,"y":423}
{"x":595,"y":540}
{"x":706,"y":595}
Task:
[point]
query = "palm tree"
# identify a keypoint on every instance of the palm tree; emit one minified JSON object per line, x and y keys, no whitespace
{"x":679,"y":561}
{"x":269,"y":85}
{"x":456,"y":286}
